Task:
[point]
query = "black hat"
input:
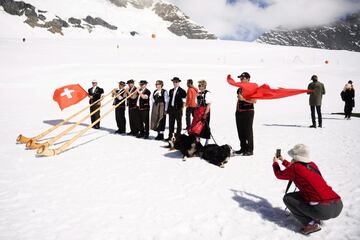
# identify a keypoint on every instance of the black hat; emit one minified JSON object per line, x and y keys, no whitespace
{"x":314,"y":78}
{"x":130,"y":81}
{"x":122,"y":83}
{"x":244,"y":75}
{"x":176,"y":79}
{"x":350,"y":82}
{"x":143,"y":82}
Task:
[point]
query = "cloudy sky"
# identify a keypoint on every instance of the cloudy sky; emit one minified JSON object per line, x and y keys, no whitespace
{"x":247,"y":19}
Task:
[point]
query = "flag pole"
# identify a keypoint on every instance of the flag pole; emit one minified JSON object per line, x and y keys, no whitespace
{"x":44,"y":151}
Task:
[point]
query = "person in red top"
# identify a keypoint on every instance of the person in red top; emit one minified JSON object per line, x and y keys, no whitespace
{"x":315,"y":200}
{"x":190,"y":102}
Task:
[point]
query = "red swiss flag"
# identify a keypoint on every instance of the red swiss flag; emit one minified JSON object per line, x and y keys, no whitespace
{"x":69,"y":95}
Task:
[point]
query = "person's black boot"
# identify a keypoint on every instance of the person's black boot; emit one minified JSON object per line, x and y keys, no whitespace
{"x":160,"y":136}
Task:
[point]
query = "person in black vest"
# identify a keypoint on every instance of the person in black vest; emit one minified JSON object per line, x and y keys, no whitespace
{"x":160,"y":104}
{"x":176,"y":105}
{"x":143,"y":103}
{"x":203,"y":101}
{"x":120,"y":110}
{"x":244,"y":120}
{"x":95,"y":93}
{"x":348,"y":96}
{"x":133,"y":109}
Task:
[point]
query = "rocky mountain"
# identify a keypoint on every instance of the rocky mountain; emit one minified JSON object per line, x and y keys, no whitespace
{"x":176,"y":22}
{"x":341,"y":35}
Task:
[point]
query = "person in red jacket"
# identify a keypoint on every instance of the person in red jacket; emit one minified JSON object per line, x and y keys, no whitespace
{"x":315,"y":200}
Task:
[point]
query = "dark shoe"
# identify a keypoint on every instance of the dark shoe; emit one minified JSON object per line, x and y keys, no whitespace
{"x":239,"y":152}
{"x":96,"y":127}
{"x":248,"y":154}
{"x":117,"y":132}
{"x":310,"y":228}
{"x":160,"y":137}
{"x":130,"y":133}
{"x":146,"y":136}
{"x":320,"y":126}
{"x":312,"y":126}
{"x":140,"y":135}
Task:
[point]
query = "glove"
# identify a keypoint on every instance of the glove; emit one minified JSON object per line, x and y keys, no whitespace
{"x":204,"y":117}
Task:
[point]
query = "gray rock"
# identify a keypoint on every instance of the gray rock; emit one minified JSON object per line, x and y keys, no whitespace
{"x":190,"y":30}
{"x":16,"y":8}
{"x":168,"y":12}
{"x":30,"y":12}
{"x":341,"y":35}
{"x":42,"y":17}
{"x":75,"y":21}
{"x":119,"y":3}
{"x":99,"y":21}
{"x":133,"y":33}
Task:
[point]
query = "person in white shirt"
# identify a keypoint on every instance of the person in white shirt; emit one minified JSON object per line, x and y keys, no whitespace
{"x":95,"y":93}
{"x":176,"y":106}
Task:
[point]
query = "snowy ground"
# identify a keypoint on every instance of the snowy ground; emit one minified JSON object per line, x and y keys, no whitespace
{"x":118,"y":187}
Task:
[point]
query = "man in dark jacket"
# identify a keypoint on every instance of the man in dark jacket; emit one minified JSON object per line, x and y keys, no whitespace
{"x":315,"y":98}
{"x":315,"y":199}
{"x":120,"y":110}
{"x":176,"y":105}
{"x":95,"y":93}
{"x":143,"y":104}
{"x":133,"y":108}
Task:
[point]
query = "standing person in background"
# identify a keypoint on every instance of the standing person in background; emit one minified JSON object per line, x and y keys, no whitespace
{"x":143,"y":104}
{"x":95,"y":93}
{"x":318,"y":90}
{"x":348,"y":96}
{"x":176,"y":105}
{"x":120,"y":110}
{"x":160,"y":104}
{"x":190,"y":102}
{"x":315,"y":200}
{"x":133,"y":109}
{"x":244,"y":119}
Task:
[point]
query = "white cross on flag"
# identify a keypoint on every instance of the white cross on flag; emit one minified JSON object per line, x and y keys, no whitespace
{"x":69,"y":95}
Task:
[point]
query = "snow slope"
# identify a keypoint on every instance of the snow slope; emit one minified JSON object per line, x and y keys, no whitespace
{"x":118,"y":187}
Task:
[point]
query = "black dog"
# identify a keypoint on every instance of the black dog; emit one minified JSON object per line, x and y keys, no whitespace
{"x":187,"y":145}
{"x":215,"y":154}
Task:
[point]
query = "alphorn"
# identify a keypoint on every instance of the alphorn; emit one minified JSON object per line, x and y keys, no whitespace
{"x":23,"y":139}
{"x":34,"y":145}
{"x":44,"y":151}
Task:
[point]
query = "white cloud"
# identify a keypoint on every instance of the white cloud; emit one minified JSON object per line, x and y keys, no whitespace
{"x":232,"y":20}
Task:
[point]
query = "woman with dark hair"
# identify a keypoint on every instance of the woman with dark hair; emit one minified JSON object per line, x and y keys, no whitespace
{"x":160,"y":99}
{"x":348,"y":95}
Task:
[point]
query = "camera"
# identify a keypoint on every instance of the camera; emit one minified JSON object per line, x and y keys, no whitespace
{"x":278,"y":153}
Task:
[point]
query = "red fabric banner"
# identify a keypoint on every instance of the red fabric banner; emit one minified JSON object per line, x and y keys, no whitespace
{"x":69,"y":95}
{"x":252,"y":91}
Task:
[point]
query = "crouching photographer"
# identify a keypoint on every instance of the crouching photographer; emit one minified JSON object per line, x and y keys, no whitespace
{"x":315,"y":200}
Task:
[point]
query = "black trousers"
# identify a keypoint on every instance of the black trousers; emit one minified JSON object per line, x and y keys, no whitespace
{"x":305,"y":212}
{"x":244,"y":124}
{"x":96,"y":115}
{"x":134,"y":120}
{"x":120,"y":119}
{"x":318,"y":110}
{"x":144,"y":122}
{"x":175,"y":115}
{"x":348,"y":109}
{"x":188,"y":114}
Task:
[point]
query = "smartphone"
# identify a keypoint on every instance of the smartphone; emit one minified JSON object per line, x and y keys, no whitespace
{"x":278,"y":153}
